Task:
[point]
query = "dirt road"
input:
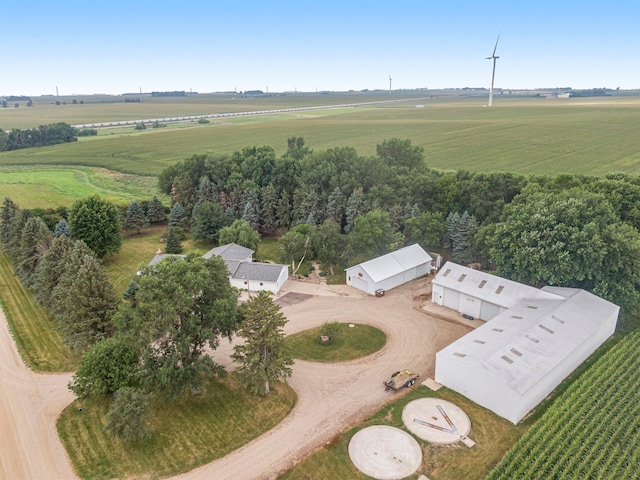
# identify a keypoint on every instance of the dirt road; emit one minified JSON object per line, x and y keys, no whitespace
{"x":334,"y":397}
{"x":29,"y":405}
{"x":331,"y":397}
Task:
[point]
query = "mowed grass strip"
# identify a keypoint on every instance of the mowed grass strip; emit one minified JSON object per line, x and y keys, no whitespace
{"x":350,"y":343}
{"x":36,"y":337}
{"x":187,"y":433}
{"x":492,"y":434}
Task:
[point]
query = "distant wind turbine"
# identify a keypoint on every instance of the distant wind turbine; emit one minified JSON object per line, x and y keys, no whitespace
{"x":493,"y":75}
{"x":389,"y":83}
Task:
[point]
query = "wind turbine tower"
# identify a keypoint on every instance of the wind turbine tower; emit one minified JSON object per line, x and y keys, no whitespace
{"x":493,"y":75}
{"x":389,"y":83}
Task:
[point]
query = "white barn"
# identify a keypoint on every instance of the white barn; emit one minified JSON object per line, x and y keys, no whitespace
{"x":512,"y":362}
{"x":390,"y":270}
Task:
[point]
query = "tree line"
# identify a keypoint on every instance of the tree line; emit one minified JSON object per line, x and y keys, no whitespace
{"x":51,"y":134}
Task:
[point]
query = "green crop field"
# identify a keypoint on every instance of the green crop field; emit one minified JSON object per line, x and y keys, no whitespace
{"x":592,"y":136}
{"x":52,"y":186}
{"x":591,"y":431}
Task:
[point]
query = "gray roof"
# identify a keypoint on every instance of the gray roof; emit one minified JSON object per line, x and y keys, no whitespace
{"x":260,"y":272}
{"x":487,"y":287}
{"x":525,"y":342}
{"x":161,"y":256}
{"x":396,"y":262}
{"x":230,"y":251}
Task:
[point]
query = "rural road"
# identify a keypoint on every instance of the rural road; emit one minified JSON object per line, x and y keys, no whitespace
{"x":331,"y":397}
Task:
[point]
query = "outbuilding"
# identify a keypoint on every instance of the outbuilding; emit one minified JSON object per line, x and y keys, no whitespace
{"x":390,"y":270}
{"x":512,"y":362}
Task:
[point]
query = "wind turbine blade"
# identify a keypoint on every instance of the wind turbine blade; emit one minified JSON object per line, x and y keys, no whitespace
{"x":496,"y":47}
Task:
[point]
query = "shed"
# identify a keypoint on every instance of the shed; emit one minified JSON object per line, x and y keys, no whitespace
{"x":390,"y":270}
{"x":478,"y":294}
{"x":512,"y":362}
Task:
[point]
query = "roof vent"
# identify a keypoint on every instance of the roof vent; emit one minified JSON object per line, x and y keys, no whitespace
{"x":499,"y":289}
{"x":532,"y":307}
{"x":507,"y":359}
{"x":547,"y":329}
{"x":481,"y":342}
{"x":482,"y":283}
{"x":557,"y":319}
{"x":533,"y":339}
{"x":497,"y":330}
{"x":462,"y":277}
{"x":516,"y":352}
{"x":458,"y":354}
{"x":446,"y":272}
{"x":516,"y":316}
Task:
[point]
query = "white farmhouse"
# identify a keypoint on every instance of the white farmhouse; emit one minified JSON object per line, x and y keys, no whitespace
{"x":244,"y":273}
{"x":390,"y":270}
{"x":517,"y":358}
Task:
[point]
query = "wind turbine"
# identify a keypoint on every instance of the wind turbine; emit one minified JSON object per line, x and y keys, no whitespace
{"x":389,"y":83}
{"x":493,"y":75}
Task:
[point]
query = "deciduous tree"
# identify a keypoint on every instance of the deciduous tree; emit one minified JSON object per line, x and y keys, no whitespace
{"x":240,"y":232}
{"x":96,"y":222}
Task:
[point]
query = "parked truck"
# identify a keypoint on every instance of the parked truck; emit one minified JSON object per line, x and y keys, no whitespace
{"x":400,"y":379}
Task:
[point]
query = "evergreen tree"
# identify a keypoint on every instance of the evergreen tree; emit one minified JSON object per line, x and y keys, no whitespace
{"x":14,"y":234}
{"x":460,"y":240}
{"x":396,"y":215}
{"x":450,"y":228}
{"x":335,"y":206}
{"x":62,"y":229}
{"x":263,"y":356}
{"x":283,"y":211}
{"x":251,"y":211}
{"x":174,"y":245}
{"x":84,"y":300}
{"x":51,"y":266}
{"x":155,"y":211}
{"x":135,"y":218}
{"x":269,"y":202}
{"x":178,"y":216}
{"x":208,"y":218}
{"x":206,"y":191}
{"x":34,"y":242}
{"x":355,"y":208}
{"x":9,"y":212}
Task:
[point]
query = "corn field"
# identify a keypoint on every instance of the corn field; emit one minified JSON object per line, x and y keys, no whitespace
{"x":592,"y":431}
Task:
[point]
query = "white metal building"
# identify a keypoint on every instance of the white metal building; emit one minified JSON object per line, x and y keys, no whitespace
{"x":478,"y":294}
{"x":512,"y":362}
{"x":390,"y":270}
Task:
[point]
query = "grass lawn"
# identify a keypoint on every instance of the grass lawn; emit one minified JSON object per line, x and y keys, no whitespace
{"x":492,"y":434}
{"x":38,"y":341}
{"x":187,"y":433}
{"x":349,"y":344}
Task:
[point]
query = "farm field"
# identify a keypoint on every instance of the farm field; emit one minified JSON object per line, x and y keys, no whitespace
{"x":52,"y":186}
{"x":593,"y":136}
{"x":591,"y":431}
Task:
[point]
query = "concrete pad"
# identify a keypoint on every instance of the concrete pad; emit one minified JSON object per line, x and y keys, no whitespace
{"x":468,"y":442}
{"x":432,"y":384}
{"x":436,"y":420}
{"x":385,"y":453}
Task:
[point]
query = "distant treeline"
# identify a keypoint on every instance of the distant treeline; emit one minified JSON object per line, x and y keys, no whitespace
{"x":41,"y":136}
{"x":17,"y":98}
{"x":594,"y":92}
{"x":180,"y":93}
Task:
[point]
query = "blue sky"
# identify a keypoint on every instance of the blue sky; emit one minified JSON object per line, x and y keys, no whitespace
{"x":85,"y":47}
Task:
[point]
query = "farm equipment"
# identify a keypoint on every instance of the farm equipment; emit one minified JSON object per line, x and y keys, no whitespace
{"x":400,"y":379}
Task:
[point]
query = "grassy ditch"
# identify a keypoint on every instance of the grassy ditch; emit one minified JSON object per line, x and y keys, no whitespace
{"x":348,"y":344}
{"x":37,"y":339}
{"x":187,"y":433}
